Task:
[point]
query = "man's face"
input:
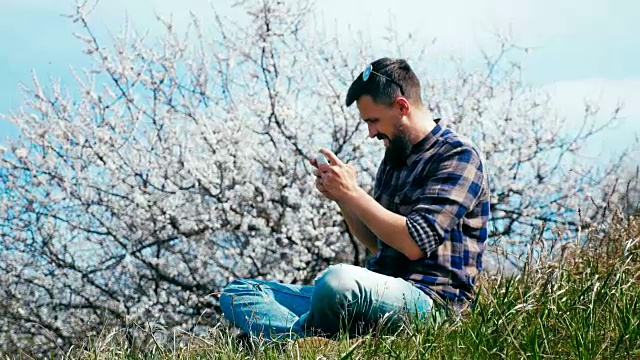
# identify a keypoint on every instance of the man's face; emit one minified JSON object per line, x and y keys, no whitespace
{"x":385,"y":123}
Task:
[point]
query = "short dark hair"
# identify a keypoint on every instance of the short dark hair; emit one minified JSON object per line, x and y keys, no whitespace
{"x":382,"y":90}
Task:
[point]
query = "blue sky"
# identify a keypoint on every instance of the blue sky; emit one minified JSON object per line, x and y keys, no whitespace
{"x":581,"y":49}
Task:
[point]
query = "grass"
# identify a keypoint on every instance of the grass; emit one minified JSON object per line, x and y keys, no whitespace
{"x":581,"y":305}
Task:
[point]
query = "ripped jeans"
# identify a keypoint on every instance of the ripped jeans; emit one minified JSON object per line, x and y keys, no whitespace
{"x":343,"y":298}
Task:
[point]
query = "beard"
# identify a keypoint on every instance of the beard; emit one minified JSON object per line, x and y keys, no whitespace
{"x":399,"y":148}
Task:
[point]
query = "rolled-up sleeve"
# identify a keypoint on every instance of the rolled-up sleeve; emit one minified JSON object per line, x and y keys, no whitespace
{"x":450,"y":188}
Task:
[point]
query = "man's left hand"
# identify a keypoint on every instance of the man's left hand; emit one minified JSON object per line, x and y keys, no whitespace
{"x":338,"y":178}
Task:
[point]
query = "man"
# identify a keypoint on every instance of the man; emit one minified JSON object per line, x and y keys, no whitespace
{"x":426,"y":224}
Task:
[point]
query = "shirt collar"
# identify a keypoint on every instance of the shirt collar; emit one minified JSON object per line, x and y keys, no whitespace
{"x":425,"y":143}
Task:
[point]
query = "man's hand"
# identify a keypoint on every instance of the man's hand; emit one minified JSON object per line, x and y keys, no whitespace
{"x":336,"y":181}
{"x":356,"y":226}
{"x":319,"y":184}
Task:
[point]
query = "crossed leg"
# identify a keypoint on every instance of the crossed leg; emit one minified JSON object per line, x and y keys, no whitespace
{"x":343,"y":298}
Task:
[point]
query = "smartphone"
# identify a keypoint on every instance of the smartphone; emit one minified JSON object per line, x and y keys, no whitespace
{"x":322,"y":159}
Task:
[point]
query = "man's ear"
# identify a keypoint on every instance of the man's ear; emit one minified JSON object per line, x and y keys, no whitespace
{"x":403,"y":105}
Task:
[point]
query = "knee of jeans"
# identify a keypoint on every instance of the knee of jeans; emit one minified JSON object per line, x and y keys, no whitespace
{"x":235,"y":288}
{"x":337,"y":282}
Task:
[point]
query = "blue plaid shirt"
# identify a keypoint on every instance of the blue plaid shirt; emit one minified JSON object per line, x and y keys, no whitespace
{"x":444,"y":194}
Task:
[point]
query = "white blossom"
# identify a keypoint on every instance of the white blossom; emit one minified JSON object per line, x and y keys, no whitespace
{"x":181,"y":165}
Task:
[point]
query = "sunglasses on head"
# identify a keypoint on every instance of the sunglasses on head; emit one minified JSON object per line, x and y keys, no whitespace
{"x":369,"y":70}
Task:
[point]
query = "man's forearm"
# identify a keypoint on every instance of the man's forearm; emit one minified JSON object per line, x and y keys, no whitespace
{"x":359,"y":229}
{"x":391,"y":228}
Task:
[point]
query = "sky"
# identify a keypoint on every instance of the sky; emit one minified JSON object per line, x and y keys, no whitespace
{"x":580,"y":49}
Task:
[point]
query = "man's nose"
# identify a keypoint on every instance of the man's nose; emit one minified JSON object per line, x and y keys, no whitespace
{"x":372,"y":130}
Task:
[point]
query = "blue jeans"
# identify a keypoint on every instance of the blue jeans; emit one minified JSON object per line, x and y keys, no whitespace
{"x":343,"y":298}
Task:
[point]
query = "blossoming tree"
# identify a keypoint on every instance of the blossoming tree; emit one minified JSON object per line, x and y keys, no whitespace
{"x":180,"y":163}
